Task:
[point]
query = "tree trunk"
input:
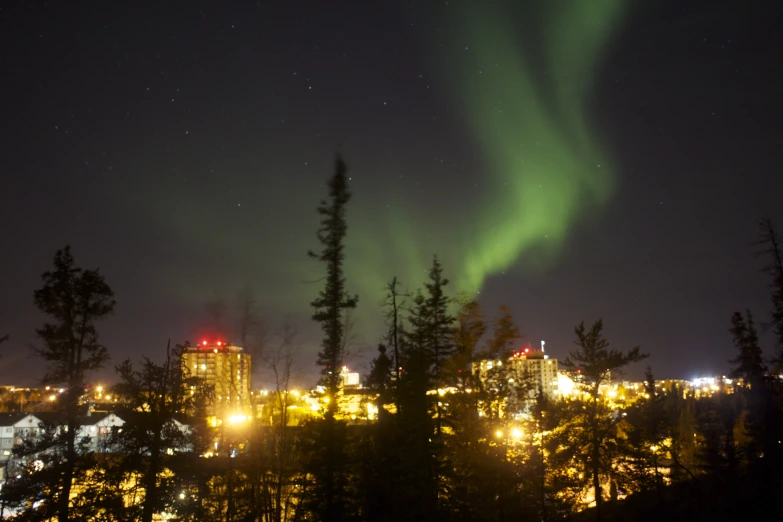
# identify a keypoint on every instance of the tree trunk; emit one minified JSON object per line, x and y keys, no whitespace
{"x":596,"y":458}
{"x":63,"y":510}
{"x":597,"y":491}
{"x":151,"y":478}
{"x":543,"y":478}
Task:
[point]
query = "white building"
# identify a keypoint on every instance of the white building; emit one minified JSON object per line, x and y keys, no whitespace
{"x":98,"y":427}
{"x":14,"y":429}
{"x":95,"y":430}
{"x":540,"y":369}
{"x":529,"y":371}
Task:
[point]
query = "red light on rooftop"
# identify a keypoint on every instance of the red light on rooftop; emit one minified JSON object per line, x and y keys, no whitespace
{"x":527,"y":350}
{"x":204,"y":343}
{"x":218,"y":343}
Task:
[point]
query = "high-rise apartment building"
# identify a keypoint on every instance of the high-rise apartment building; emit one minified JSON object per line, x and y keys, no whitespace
{"x":227,"y":369}
{"x":540,"y":369}
{"x":530,"y":371}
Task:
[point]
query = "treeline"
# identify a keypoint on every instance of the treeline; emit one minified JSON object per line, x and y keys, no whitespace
{"x":453,"y":440}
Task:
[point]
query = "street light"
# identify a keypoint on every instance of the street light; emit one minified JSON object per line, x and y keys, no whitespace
{"x":237,"y":419}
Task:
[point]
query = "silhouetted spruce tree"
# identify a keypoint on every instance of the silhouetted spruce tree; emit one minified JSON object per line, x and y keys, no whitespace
{"x":563,"y":441}
{"x":463,"y":448}
{"x":770,"y":247}
{"x":481,"y":457}
{"x":439,"y":334}
{"x":680,"y":411}
{"x":378,"y":448}
{"x":155,"y":400}
{"x":379,"y":380}
{"x":748,"y":363}
{"x":718,"y":424}
{"x":540,"y":424}
{"x":417,"y":490}
{"x":193,"y":473}
{"x":333,"y":300}
{"x":424,"y":350}
{"x":329,"y":495}
{"x":464,"y":455}
{"x":597,"y":363}
{"x":382,"y":444}
{"x":74,"y":300}
{"x":502,"y":388}
{"x":470,"y":327}
{"x":758,"y":393}
{"x":548,"y":483}
{"x":643,"y":446}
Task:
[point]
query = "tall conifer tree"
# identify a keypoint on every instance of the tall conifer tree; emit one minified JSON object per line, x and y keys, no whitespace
{"x":597,"y":363}
{"x":748,"y":362}
{"x":329,"y":502}
{"x":439,"y":333}
{"x":770,"y":247}
{"x":333,"y":299}
{"x":152,"y":396}
{"x":75,"y":301}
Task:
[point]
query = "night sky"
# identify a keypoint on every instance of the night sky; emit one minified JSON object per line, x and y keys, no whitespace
{"x":573,"y":160}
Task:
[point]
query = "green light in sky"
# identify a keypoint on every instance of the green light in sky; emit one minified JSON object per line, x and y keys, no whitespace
{"x":523,"y":100}
{"x":520,"y":86}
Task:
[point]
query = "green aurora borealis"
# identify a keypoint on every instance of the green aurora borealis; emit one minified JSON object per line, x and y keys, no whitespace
{"x":536,"y":143}
{"x":542,"y":166}
{"x":519,"y":92}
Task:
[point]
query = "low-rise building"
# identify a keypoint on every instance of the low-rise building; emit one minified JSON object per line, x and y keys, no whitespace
{"x":15,"y":428}
{"x":98,"y":429}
